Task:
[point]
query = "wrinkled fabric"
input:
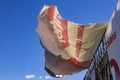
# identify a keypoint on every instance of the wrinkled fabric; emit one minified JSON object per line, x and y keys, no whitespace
{"x":70,"y":41}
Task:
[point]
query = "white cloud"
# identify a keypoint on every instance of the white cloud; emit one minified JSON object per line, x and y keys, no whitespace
{"x":30,"y":76}
{"x":48,"y":77}
{"x":33,"y":76}
{"x":40,"y":77}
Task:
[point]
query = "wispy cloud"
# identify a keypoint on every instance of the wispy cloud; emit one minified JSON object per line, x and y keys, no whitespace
{"x":30,"y":76}
{"x":40,"y":77}
{"x":48,"y":77}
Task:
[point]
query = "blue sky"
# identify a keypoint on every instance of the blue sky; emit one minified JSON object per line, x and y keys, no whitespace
{"x":21,"y":55}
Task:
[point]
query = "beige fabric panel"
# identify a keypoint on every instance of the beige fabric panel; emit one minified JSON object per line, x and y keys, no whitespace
{"x":72,"y":34}
{"x":91,"y":38}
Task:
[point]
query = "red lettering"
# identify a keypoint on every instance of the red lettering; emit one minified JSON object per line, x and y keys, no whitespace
{"x":64,"y":33}
{"x":79,"y":40}
{"x":111,"y":39}
{"x":59,"y":26}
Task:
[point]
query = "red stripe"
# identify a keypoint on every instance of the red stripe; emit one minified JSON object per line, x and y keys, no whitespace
{"x":79,"y":40}
{"x":64,"y":25}
{"x":85,"y":64}
{"x":51,"y":10}
{"x":114,"y":64}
